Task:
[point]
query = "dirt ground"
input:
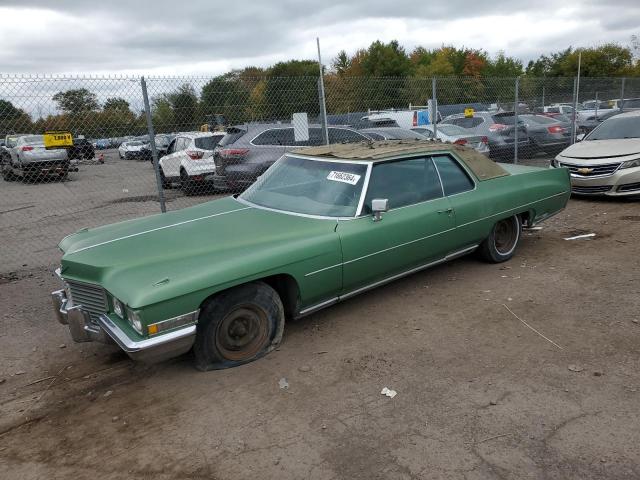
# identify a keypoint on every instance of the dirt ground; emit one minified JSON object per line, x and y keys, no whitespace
{"x":479,"y":394}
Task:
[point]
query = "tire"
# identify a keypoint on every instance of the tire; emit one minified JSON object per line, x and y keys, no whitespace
{"x":186,"y":184}
{"x":165,"y":183}
{"x":503,"y":240}
{"x":238,"y":326}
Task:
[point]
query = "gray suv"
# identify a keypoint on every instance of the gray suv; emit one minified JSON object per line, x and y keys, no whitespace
{"x":246,"y":151}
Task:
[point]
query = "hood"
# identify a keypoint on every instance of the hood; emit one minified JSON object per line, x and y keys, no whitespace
{"x":603,"y":151}
{"x":147,"y":260}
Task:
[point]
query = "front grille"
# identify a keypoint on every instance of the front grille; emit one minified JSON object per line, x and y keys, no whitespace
{"x":92,"y":297}
{"x":629,"y":187}
{"x":591,"y":190}
{"x":596,"y":170}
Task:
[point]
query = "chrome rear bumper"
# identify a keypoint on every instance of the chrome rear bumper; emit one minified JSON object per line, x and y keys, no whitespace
{"x":149,"y":350}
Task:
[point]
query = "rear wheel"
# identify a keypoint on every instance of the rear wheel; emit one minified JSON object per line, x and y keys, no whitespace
{"x":165,"y":183}
{"x":501,"y":243}
{"x":238,"y":326}
{"x":187,"y":185}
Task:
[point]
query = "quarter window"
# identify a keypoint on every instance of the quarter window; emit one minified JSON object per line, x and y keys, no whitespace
{"x":454,"y":178}
{"x":405,"y":182}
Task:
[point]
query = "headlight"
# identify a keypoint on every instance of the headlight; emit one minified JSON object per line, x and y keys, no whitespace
{"x":555,"y":163}
{"x":631,"y":164}
{"x":134,"y":320}
{"x":118,"y":308}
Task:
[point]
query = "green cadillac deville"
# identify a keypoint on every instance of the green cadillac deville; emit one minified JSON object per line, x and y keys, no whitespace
{"x":321,"y":225}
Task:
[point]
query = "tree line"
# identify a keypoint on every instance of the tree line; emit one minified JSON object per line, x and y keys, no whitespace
{"x":383,"y":75}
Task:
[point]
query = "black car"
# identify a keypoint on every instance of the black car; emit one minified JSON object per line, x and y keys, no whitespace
{"x":81,"y":149}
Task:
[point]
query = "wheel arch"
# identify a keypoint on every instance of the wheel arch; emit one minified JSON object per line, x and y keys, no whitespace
{"x":285,"y":285}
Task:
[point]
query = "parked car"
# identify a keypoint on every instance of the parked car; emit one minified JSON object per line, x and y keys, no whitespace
{"x":162,"y":145}
{"x":626,"y":104}
{"x":607,"y":160}
{"x":189,"y":159}
{"x":392,"y":133}
{"x":132,"y":150}
{"x":246,"y":151}
{"x":103,"y":144}
{"x":457,"y":135}
{"x":500,"y":134}
{"x":413,"y":117}
{"x":548,"y":135}
{"x":592,"y":121}
{"x":81,"y":149}
{"x":321,"y":225}
{"x":27,"y":158}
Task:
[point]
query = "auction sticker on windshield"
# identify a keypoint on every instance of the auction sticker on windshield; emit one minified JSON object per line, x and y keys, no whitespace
{"x":344,"y":177}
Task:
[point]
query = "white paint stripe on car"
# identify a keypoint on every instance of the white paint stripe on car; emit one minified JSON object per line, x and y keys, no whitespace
{"x":156,"y":229}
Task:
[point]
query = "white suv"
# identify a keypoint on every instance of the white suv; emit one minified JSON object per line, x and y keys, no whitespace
{"x":189,"y":159}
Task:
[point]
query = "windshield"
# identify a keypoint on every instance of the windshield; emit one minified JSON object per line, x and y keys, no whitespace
{"x":310,"y":187}
{"x":616,"y":128}
{"x":134,"y":144}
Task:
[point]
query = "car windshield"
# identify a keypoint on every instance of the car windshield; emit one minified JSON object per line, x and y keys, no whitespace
{"x":310,"y":187}
{"x":451,"y":130}
{"x":135,"y":144}
{"x":616,"y":128}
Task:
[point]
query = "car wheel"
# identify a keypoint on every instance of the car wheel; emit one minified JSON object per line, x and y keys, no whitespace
{"x":238,"y":326}
{"x":501,"y":243}
{"x":187,"y":185}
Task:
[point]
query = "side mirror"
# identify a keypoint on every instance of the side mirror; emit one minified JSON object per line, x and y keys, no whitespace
{"x":378,"y":206}
{"x":580,"y":137}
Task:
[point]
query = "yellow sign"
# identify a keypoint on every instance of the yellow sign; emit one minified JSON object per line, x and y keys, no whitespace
{"x":468,"y":112}
{"x":57,"y":139}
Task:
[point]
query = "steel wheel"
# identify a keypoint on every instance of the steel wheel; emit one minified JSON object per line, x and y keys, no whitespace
{"x":242,"y":333}
{"x":506,"y":235}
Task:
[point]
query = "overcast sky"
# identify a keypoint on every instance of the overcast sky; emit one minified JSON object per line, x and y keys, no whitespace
{"x":198,"y":37}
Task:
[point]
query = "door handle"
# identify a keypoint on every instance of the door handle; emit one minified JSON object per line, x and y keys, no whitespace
{"x":448,"y":211}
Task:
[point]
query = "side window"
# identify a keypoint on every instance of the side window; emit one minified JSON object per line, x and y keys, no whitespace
{"x":405,"y":182}
{"x":342,"y":135}
{"x":172,"y":147}
{"x":454,"y":178}
{"x":275,"y":136}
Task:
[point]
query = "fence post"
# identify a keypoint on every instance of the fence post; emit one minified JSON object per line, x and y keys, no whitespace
{"x":323,"y":104}
{"x":515,"y":122}
{"x":434,"y":106}
{"x":574,"y":102}
{"x":621,"y":94}
{"x":152,"y":143}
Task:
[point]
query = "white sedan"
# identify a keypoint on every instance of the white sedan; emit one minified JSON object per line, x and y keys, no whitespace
{"x":607,"y":161}
{"x":189,"y":160}
{"x":131,"y":149}
{"x":455,"y":134}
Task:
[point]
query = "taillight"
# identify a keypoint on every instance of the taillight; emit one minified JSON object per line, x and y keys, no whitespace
{"x":461,"y":141}
{"x":485,"y":140}
{"x":496,"y":127}
{"x":195,"y":154}
{"x":233,"y":152}
{"x":415,"y":119}
{"x":556,"y":129}
{"x":27,"y":148}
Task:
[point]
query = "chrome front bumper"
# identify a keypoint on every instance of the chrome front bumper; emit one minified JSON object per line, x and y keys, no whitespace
{"x":150,"y":350}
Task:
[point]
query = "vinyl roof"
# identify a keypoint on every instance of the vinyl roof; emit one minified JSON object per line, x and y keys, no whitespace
{"x":483,"y":167}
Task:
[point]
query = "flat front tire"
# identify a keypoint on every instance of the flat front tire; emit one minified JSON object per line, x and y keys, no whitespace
{"x":238,"y":326}
{"x":503,"y":240}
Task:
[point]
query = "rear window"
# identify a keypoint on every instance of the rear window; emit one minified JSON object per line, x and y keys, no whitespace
{"x":538,"y":119}
{"x":207,"y":143}
{"x":33,"y":139}
{"x":553,"y":110}
{"x":232,"y":136}
{"x":467,"y":122}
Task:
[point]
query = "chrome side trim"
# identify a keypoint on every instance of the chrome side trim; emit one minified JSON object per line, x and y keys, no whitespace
{"x":132,"y":346}
{"x":323,"y":269}
{"x":334,"y":300}
{"x":157,"y":229}
{"x":287,"y":212}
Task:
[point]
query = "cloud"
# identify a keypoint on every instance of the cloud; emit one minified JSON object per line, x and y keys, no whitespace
{"x":200,"y":37}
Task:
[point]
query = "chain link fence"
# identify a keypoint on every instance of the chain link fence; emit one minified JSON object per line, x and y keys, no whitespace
{"x":201,"y":138}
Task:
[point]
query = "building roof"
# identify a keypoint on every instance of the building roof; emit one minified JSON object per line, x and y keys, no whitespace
{"x":483,"y":167}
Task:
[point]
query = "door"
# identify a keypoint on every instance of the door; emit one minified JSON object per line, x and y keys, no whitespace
{"x":469,"y":205}
{"x":171,"y":161}
{"x":414,"y":232}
